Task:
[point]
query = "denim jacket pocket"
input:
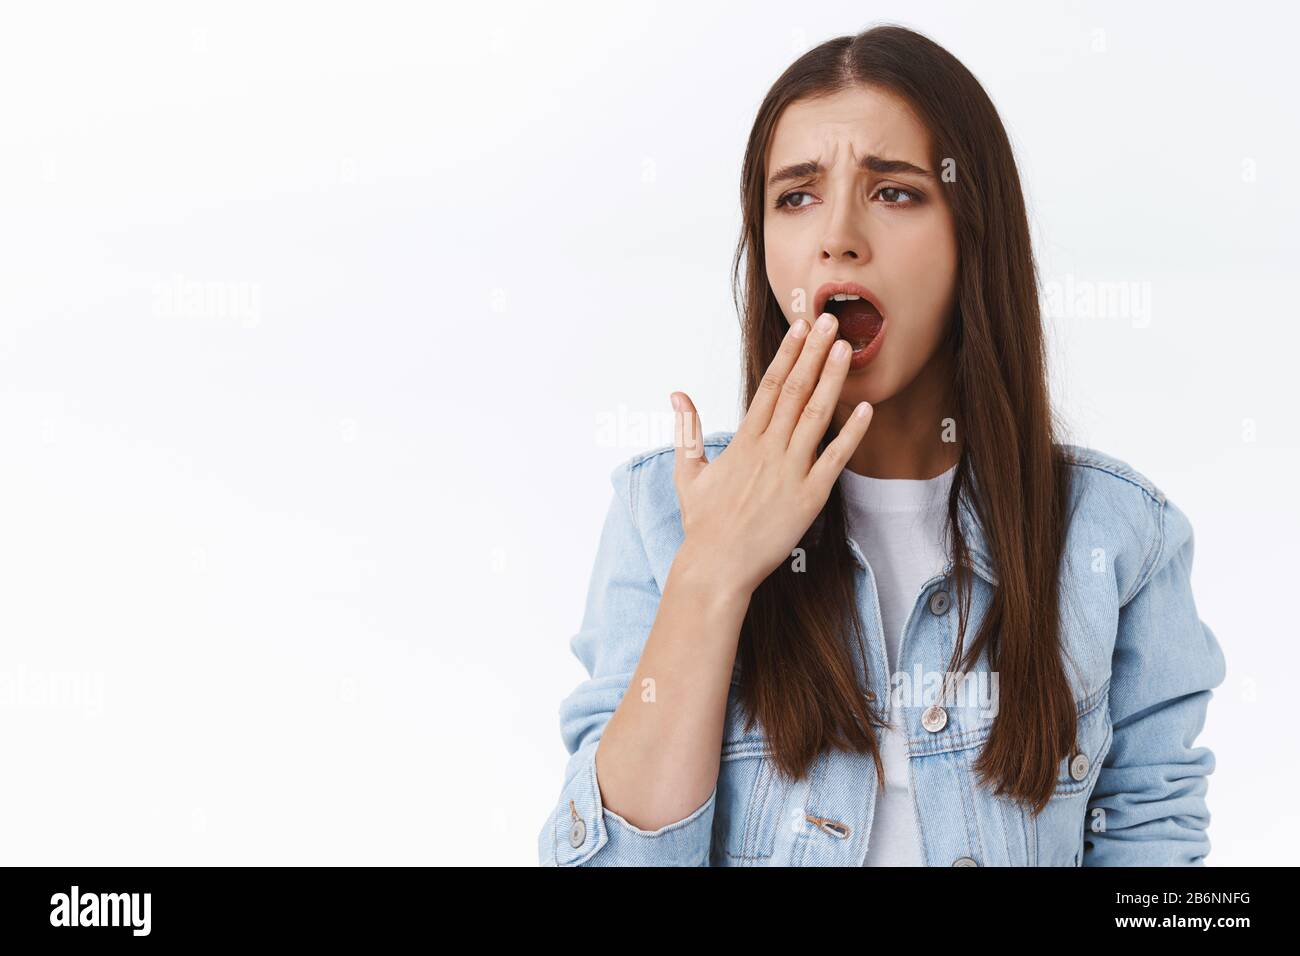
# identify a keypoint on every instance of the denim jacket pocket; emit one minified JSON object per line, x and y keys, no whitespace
{"x":1059,"y":831}
{"x":750,"y":792}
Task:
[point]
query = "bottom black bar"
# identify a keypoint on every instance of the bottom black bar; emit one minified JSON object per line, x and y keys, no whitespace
{"x":369,"y":905}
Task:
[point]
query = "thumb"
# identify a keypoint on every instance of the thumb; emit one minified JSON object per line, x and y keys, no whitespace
{"x":688,"y":439}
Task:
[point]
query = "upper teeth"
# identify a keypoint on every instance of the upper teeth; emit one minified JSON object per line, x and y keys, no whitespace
{"x":845,"y":296}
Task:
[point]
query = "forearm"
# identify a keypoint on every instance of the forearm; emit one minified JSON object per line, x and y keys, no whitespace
{"x":658,"y":758}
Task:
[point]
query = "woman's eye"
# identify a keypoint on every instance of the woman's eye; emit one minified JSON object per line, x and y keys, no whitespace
{"x":781,"y":203}
{"x":890,"y":194}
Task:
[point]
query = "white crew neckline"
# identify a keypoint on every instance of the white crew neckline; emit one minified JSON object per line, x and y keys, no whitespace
{"x":896,"y":494}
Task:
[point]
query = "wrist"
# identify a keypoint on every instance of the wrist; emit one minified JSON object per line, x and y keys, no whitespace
{"x":700,"y":575}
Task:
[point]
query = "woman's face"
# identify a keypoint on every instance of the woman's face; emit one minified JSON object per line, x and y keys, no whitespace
{"x":875,"y":215}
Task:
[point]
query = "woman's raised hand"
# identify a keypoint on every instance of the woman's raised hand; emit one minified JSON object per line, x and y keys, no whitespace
{"x":744,"y":512}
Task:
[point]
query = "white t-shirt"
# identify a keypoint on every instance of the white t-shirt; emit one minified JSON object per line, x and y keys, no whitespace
{"x":899,"y":523}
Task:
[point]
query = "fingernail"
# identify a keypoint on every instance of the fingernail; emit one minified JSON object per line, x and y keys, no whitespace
{"x":676,"y":400}
{"x":799,"y":329}
{"x":825,"y":323}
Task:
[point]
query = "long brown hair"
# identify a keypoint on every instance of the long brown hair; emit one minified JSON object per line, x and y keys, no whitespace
{"x":798,"y":677}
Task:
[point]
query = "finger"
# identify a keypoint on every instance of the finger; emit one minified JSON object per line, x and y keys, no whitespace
{"x":769,"y":386}
{"x":688,"y":440}
{"x":827,"y":469}
{"x":803,"y":377}
{"x":812,"y":424}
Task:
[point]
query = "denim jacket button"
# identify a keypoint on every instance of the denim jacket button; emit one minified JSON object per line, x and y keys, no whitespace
{"x":939,"y":602}
{"x":964,"y":861}
{"x":1079,"y":766}
{"x":871,"y":695}
{"x":934,"y":719}
{"x":577,"y":833}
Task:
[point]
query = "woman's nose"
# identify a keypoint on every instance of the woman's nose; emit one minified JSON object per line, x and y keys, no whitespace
{"x":845,"y":237}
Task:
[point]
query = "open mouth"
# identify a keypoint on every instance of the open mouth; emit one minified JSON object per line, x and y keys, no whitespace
{"x":859,"y":320}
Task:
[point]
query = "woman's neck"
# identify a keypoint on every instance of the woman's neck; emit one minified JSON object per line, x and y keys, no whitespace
{"x":906,"y":438}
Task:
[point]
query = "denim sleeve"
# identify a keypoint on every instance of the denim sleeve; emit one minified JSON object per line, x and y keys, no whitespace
{"x":622,"y":601}
{"x":1151,"y":789}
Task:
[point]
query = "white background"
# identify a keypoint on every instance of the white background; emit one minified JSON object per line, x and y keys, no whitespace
{"x":322,"y":327}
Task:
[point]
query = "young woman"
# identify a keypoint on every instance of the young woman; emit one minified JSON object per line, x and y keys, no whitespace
{"x":890,"y":620}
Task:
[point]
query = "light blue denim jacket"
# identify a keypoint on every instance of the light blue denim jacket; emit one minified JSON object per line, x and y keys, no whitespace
{"x":1140,"y":661}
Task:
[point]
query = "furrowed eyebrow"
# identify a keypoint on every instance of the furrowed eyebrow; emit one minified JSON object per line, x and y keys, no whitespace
{"x":873,"y":164}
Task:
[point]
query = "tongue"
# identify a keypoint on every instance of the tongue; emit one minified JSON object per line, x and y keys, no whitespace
{"x":859,"y":320}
